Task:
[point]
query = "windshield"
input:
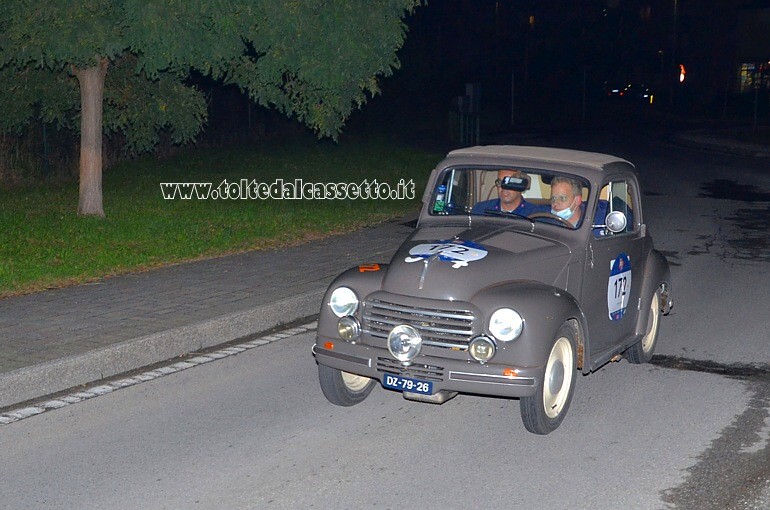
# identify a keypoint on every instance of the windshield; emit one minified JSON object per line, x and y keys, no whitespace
{"x":536,"y":195}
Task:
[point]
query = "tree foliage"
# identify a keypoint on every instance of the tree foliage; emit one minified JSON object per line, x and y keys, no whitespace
{"x":313,"y":59}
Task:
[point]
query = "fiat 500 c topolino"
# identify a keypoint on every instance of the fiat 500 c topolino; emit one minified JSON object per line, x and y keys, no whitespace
{"x":527,"y":265}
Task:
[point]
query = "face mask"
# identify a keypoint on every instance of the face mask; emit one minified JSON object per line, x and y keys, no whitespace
{"x":564,"y":214}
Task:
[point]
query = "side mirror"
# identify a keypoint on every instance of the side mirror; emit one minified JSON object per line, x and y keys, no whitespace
{"x":616,"y":222}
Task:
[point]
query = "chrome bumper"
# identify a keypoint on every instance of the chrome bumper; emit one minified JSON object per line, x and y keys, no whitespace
{"x":445,"y":374}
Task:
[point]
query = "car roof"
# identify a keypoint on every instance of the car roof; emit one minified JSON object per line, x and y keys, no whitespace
{"x":522,"y":155}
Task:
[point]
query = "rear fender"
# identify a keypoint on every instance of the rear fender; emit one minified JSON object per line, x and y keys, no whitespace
{"x":656,"y":273}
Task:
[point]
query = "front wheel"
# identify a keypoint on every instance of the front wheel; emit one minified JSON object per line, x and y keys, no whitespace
{"x":641,"y":351}
{"x":343,"y":388}
{"x":544,"y":411}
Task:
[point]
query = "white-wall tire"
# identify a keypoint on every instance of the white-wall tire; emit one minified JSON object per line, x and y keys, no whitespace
{"x":642,"y":351}
{"x":343,"y":388}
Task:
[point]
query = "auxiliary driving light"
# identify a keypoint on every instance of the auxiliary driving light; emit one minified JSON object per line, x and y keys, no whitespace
{"x":348,"y":328}
{"x":404,"y":343}
{"x":482,"y":349}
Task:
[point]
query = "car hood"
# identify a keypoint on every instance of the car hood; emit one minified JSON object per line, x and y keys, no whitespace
{"x":455,"y":263}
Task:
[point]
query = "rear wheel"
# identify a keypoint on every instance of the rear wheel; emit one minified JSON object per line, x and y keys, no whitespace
{"x":641,"y":351}
{"x":343,"y":388}
{"x":544,"y":411}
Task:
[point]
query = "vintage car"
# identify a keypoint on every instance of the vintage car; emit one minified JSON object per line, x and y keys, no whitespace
{"x":512,"y":304}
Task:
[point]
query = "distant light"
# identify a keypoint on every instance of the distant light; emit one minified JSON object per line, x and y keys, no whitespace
{"x":682,"y":73}
{"x":532,"y":21}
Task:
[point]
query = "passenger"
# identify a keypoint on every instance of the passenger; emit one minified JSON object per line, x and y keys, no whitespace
{"x":567,"y":199}
{"x":508,"y":201}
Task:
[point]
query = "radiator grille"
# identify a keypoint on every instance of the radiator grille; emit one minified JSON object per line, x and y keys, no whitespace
{"x":450,"y":329}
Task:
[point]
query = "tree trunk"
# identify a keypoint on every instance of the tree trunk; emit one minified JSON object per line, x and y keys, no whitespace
{"x":91,"y":98}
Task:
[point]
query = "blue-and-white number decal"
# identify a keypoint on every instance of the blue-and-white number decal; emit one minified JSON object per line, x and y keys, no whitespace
{"x":459,"y":253}
{"x":619,"y":286}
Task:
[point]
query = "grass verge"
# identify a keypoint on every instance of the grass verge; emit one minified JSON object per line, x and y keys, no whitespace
{"x":43,"y":244}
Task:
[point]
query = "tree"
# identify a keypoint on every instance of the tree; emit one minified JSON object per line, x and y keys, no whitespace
{"x":129,"y":61}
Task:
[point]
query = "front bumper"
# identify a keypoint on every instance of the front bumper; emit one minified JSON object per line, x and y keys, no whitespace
{"x":446,"y":374}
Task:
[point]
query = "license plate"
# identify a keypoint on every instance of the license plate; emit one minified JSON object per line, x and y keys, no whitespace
{"x":396,"y":382}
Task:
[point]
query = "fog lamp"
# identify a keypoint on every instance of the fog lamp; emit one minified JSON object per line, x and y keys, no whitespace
{"x":482,"y":349}
{"x":404,"y":343}
{"x":348,"y":329}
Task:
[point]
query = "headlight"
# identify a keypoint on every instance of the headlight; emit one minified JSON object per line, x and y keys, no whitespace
{"x":348,"y":329}
{"x":343,"y":302}
{"x":506,"y":324}
{"x":482,"y":348}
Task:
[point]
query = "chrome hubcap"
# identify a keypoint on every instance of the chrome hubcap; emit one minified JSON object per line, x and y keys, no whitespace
{"x":652,"y":325}
{"x":556,"y":377}
{"x":557,"y":382}
{"x":355,"y":382}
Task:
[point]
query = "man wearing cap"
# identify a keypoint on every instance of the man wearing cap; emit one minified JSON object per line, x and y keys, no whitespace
{"x":509,"y":201}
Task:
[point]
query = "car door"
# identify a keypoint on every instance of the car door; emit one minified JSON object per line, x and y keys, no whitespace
{"x":613,"y":274}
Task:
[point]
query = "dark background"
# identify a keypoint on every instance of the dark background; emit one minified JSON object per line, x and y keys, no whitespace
{"x":535,"y":65}
{"x":554,"y":63}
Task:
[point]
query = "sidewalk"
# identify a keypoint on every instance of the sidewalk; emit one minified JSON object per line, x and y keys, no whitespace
{"x":58,"y":339}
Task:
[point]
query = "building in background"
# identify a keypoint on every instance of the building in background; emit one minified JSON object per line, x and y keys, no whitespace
{"x":753,"y":48}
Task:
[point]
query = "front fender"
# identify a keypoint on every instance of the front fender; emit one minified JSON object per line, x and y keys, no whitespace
{"x":363,"y":280}
{"x":544,"y":309}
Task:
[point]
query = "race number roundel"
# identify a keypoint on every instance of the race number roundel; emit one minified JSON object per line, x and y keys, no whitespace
{"x":619,"y":286}
{"x":459,"y":253}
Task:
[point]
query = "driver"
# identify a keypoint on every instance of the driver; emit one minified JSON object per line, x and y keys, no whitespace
{"x":509,"y":201}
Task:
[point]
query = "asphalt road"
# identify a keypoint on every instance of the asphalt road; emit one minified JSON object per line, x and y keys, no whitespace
{"x":691,"y":430}
{"x":254,"y":431}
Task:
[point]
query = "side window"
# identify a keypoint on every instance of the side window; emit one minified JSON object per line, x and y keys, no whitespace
{"x":615,"y":196}
{"x":459,"y":193}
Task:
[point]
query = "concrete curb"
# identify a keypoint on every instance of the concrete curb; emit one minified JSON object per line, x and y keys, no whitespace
{"x":50,"y":377}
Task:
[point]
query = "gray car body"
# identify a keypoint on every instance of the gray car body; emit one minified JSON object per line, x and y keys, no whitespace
{"x":545,"y":272}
